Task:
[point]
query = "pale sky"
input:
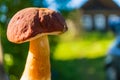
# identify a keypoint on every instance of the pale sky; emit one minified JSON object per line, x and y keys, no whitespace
{"x":68,"y":5}
{"x":117,"y":2}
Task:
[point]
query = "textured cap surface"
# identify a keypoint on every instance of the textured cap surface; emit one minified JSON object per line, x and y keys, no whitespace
{"x":29,"y":22}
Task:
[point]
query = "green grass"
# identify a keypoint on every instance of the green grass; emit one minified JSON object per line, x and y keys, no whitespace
{"x":79,"y":69}
{"x":81,"y":58}
{"x":91,"y":45}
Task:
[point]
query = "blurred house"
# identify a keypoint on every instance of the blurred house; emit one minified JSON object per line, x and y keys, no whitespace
{"x":96,"y":14}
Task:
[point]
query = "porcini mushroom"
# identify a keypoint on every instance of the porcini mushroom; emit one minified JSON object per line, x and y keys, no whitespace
{"x":34,"y":24}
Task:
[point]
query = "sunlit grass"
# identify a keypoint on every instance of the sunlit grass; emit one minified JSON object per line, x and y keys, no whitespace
{"x":91,"y":45}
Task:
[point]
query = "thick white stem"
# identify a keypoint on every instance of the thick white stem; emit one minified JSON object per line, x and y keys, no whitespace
{"x":38,"y":61}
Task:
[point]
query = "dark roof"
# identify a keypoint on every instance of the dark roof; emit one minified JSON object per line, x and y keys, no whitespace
{"x":100,"y":5}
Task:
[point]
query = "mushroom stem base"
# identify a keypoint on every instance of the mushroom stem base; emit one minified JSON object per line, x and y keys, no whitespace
{"x":38,"y":61}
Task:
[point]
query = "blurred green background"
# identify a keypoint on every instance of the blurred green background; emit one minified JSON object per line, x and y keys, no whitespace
{"x":75,"y":55}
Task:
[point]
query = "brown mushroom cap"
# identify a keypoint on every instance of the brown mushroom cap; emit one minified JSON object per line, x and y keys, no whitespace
{"x":31,"y":22}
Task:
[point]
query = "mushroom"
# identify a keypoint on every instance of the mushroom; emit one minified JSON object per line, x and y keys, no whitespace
{"x":34,"y":25}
